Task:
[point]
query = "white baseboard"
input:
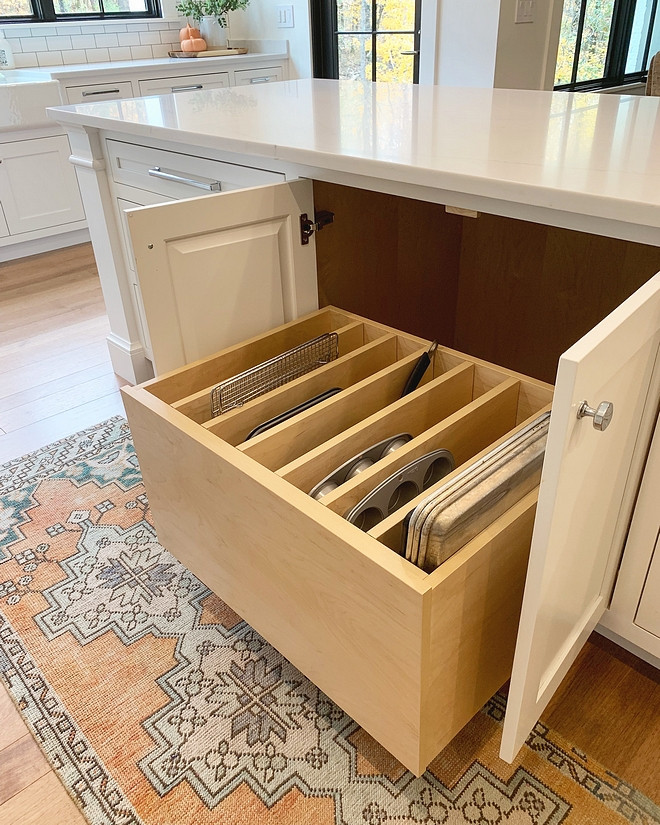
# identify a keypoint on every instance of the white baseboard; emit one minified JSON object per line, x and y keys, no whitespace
{"x":23,"y":249}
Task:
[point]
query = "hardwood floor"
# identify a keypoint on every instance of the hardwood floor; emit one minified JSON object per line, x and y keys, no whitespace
{"x":56,"y":378}
{"x":55,"y":371}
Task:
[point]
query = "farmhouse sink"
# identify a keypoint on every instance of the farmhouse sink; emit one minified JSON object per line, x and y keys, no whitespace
{"x":24,"y":95}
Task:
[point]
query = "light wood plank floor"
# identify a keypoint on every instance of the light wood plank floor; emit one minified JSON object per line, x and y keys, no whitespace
{"x":55,"y":378}
{"x":55,"y":371}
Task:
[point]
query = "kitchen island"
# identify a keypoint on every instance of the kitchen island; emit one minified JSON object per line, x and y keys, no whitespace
{"x":505,"y":223}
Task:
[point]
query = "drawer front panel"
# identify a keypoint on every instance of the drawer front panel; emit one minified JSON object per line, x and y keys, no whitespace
{"x":254,"y":77}
{"x":99,"y":91}
{"x":175,"y":175}
{"x":336,"y":601}
{"x":183,"y":83}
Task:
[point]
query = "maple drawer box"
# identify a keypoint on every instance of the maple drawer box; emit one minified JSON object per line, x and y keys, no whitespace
{"x":411,"y":656}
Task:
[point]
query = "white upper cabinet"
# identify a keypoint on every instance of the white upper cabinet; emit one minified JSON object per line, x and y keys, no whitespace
{"x":589,"y":481}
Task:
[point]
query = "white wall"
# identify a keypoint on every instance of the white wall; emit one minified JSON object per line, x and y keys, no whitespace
{"x":259,"y":21}
{"x":527,"y":52}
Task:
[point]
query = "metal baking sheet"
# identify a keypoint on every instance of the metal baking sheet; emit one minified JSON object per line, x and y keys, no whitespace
{"x":458,"y":511}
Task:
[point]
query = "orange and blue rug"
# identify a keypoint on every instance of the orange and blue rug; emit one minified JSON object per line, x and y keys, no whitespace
{"x":157,"y":705}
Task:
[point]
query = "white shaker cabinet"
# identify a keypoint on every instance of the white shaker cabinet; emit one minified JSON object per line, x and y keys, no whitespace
{"x":634,"y":614}
{"x":38,"y":187}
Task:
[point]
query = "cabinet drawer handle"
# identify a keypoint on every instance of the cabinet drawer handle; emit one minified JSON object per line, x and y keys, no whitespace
{"x":101,"y":92}
{"x":186,"y":88}
{"x":602,"y":415}
{"x":201,"y":183}
{"x":259,"y":79}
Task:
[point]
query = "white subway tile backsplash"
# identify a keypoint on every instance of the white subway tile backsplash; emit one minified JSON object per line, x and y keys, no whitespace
{"x":106,"y":40}
{"x":50,"y":59}
{"x":58,"y":43}
{"x":17,"y":31}
{"x":149,"y":38}
{"x":97,"y":55}
{"x":34,"y":44}
{"x":120,"y":53}
{"x":129,"y":39}
{"x":74,"y":56}
{"x":83,"y":41}
{"x":26,"y":60}
{"x":141,"y":52}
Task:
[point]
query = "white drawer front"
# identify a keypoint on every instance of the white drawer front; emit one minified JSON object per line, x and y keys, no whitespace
{"x":253,"y":77}
{"x":99,"y":91}
{"x":175,"y":175}
{"x":187,"y":83}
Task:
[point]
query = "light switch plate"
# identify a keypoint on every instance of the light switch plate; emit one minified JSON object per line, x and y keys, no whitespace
{"x":525,"y":11}
{"x":285,"y":17}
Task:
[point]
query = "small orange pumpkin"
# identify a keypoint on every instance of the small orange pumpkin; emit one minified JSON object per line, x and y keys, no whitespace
{"x":188,"y":32}
{"x":191,"y":41}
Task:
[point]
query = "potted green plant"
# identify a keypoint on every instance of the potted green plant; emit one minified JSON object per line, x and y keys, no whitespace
{"x":212,"y":17}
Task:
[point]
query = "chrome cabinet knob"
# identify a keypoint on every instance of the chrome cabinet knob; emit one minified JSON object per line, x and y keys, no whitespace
{"x":602,"y":415}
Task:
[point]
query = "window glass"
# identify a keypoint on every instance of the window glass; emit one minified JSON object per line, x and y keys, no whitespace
{"x":595,"y":37}
{"x":15,"y":8}
{"x":355,"y":56}
{"x":353,"y":15}
{"x":391,"y":63}
{"x":395,"y":15}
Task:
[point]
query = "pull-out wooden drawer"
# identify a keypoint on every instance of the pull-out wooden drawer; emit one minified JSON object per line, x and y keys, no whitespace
{"x":409,"y":655}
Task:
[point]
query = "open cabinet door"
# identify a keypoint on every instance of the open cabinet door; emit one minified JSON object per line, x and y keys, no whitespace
{"x":218,"y":269}
{"x":588,"y":485}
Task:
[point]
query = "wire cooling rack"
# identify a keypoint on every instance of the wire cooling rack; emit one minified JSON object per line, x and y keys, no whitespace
{"x":241,"y":388}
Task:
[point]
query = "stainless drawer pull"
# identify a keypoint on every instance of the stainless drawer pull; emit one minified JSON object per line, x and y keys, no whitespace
{"x":203,"y":183}
{"x":259,"y":79}
{"x":602,"y":415}
{"x":186,"y":88}
{"x":101,"y":92}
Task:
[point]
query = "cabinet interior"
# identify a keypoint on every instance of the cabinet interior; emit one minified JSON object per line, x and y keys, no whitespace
{"x":466,"y":281}
{"x":462,"y":404}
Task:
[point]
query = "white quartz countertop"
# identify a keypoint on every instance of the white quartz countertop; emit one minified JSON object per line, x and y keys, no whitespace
{"x":586,"y":154}
{"x":160,"y":65}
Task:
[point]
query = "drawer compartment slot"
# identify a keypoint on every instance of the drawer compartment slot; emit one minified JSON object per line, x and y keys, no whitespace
{"x":464,"y":433}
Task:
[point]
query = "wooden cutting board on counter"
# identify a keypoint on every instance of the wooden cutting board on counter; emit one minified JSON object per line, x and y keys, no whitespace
{"x":208,"y":53}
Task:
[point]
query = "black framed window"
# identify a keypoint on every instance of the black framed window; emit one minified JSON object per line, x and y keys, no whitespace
{"x":38,"y":11}
{"x":606,"y":43}
{"x":366,"y":39}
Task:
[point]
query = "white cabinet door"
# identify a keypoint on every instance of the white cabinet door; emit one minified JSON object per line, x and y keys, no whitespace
{"x":38,"y":186}
{"x":184,"y":83}
{"x":587,"y":490}
{"x":648,"y":614}
{"x":222,"y":268}
{"x":4,"y":229}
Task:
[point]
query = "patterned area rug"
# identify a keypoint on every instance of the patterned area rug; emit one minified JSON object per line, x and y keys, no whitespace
{"x":156,"y":704}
